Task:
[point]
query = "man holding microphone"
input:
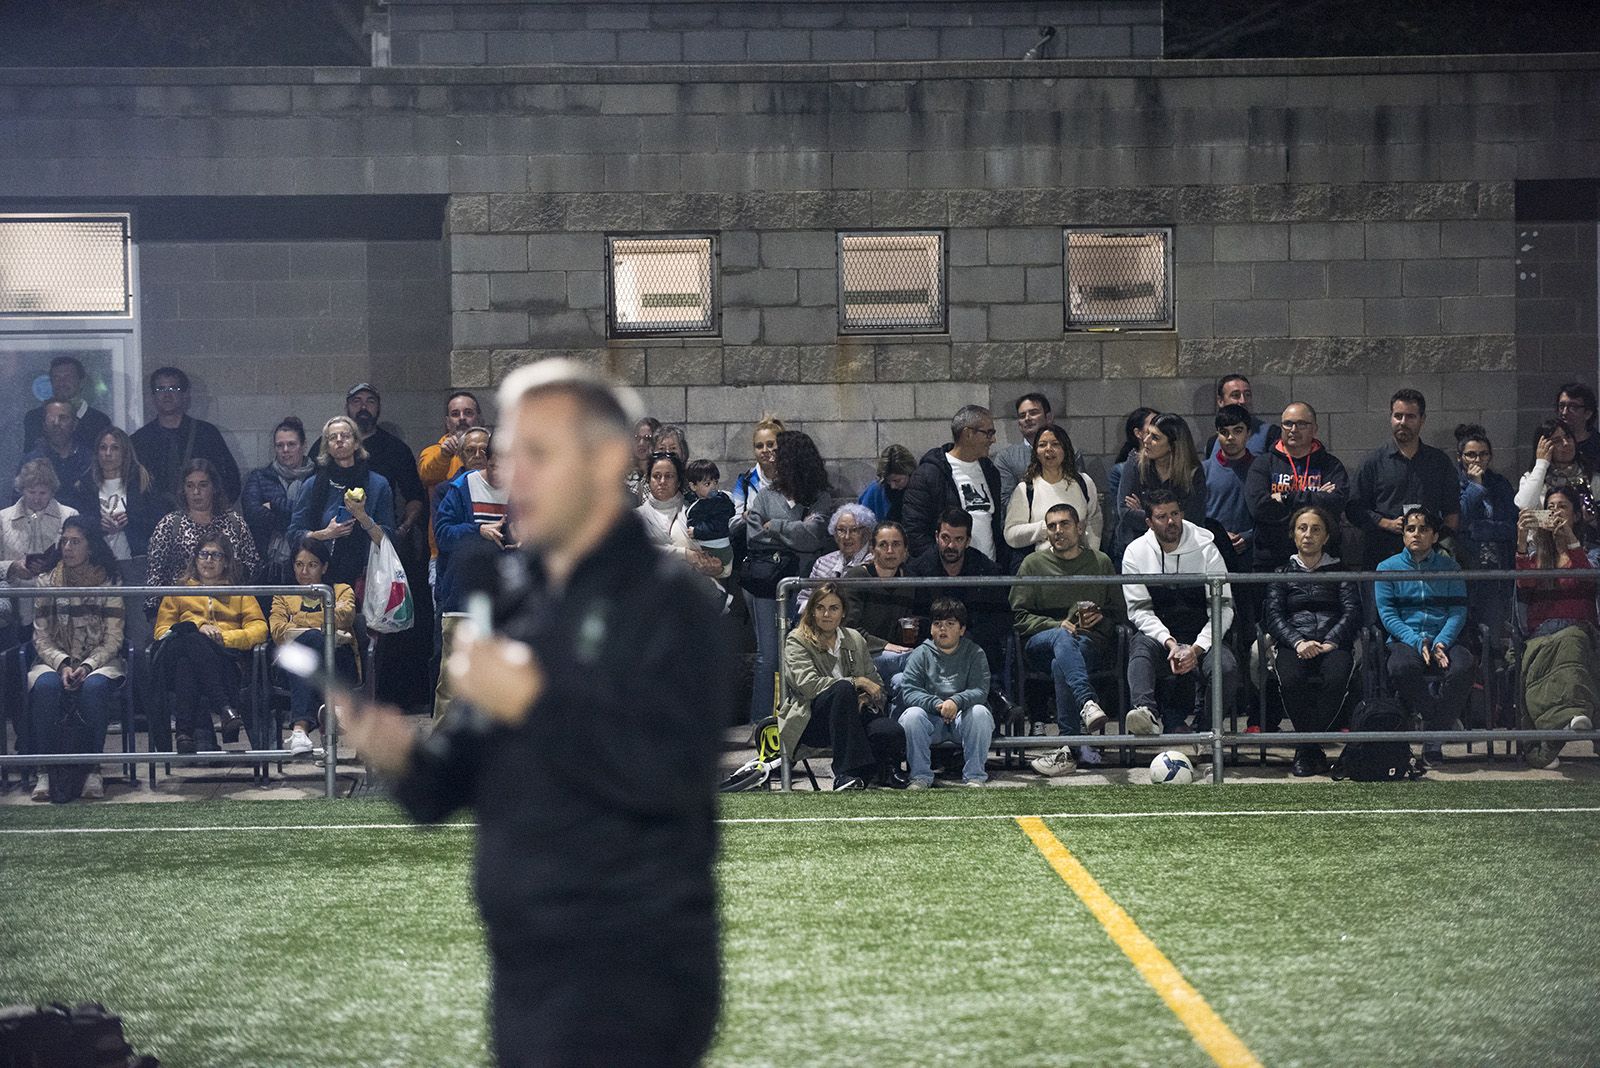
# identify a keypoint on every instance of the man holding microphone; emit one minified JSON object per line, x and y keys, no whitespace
{"x":590,"y":761}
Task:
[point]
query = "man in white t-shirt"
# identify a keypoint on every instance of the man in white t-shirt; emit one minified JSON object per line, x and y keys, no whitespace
{"x":958,"y":475}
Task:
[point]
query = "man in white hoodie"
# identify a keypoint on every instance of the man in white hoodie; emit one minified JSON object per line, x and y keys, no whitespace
{"x":1173,"y":621}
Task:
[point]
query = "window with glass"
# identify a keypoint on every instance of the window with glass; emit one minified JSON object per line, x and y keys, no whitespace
{"x":64,"y":266}
{"x":892,"y":282}
{"x":661,"y":285}
{"x":1118,"y":278}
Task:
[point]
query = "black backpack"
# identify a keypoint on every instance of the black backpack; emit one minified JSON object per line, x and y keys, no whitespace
{"x":1377,"y":761}
{"x":56,"y":1036}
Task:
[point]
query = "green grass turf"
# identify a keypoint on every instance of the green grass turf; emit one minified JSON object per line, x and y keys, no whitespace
{"x":1353,"y":939}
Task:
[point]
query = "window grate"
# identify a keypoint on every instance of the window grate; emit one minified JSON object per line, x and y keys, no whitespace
{"x":891,"y":282}
{"x":661,"y":286}
{"x":1118,"y":278}
{"x":64,"y":265}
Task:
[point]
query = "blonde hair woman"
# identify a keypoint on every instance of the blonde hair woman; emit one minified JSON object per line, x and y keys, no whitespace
{"x":344,"y":495}
{"x":764,"y":442}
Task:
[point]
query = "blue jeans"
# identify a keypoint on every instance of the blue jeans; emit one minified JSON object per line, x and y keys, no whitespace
{"x":304,"y":697}
{"x":1069,"y":658}
{"x":890,"y":667}
{"x":972,"y":729}
{"x":764,"y":617}
{"x":96,"y":698}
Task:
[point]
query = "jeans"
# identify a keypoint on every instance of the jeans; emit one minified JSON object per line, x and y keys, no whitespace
{"x":764,"y":617}
{"x":47,"y":701}
{"x":1148,"y":665}
{"x":1069,"y":658}
{"x":890,"y":667}
{"x":972,"y":730}
{"x":1411,"y":677}
{"x":304,"y":697}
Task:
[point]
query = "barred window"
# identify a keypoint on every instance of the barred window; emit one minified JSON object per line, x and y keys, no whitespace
{"x":1118,"y":278}
{"x":64,"y":265}
{"x":660,"y":286}
{"x":891,"y":282}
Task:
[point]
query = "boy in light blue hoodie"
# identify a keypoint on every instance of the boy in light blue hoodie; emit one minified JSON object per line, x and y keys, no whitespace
{"x":944,"y":688}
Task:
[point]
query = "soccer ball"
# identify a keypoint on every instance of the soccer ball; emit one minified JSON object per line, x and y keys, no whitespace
{"x":1171,"y":768}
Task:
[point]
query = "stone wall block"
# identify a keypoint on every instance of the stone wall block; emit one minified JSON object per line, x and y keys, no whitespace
{"x":826,"y":209}
{"x":1024,"y":322}
{"x":468,"y":215}
{"x":940,"y":400}
{"x":1497,"y":200}
{"x":1402,"y":240}
{"x":1139,"y":205}
{"x":1441,"y":200}
{"x":1322,"y":241}
{"x":1402,"y":316}
{"x":912,"y":363}
{"x":1072,"y":358}
{"x":1251,"y":318}
{"x":987,"y":362}
{"x":1213,"y":203}
{"x":804,"y":248}
{"x":844,"y":362}
{"x":1325,"y":318}
{"x":799,"y":326}
{"x":681,"y":211}
{"x":919,"y":208}
{"x":987,"y":207}
{"x":543,"y":292}
{"x":1252,"y":242}
{"x":1033,"y":246}
{"x":470,"y":369}
{"x":1214,"y":355}
{"x":987,"y":285}
{"x":605,"y":211}
{"x":757,"y":211}
{"x":696,"y":366}
{"x":1364,"y":278}
{"x":470,"y":252}
{"x":527,"y":212}
{"x":1367,"y":201}
{"x":1448,"y":355}
{"x":1294,"y":280}
{"x":1290,"y":203}
{"x":1140,"y":357}
{"x":563,"y":252}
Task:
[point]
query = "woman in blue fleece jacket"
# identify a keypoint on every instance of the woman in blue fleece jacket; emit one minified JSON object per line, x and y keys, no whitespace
{"x":945,"y":688}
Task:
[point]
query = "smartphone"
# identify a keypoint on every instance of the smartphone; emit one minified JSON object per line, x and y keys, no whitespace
{"x":1545,"y":518}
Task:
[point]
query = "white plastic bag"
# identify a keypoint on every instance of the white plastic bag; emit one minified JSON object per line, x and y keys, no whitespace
{"x":387,"y":605}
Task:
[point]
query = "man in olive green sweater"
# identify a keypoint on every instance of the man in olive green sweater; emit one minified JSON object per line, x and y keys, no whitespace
{"x":1068,"y":629}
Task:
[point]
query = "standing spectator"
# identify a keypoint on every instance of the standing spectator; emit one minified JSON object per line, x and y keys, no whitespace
{"x":952,"y":555}
{"x":764,"y":440}
{"x":67,"y":379}
{"x":1166,"y":460}
{"x":1425,"y":621}
{"x":849,"y":528}
{"x":205,"y":513}
{"x":1557,"y":463}
{"x":77,"y":643}
{"x":1559,"y":688}
{"x":834,"y":697}
{"x":665,"y":513}
{"x":1033,"y":414}
{"x":331,"y":508}
{"x":1052,"y":477}
{"x":386,"y":455}
{"x":61,"y":447}
{"x":202,"y":641}
{"x":1297,"y":471}
{"x":440,"y":462}
{"x":1173,"y":622}
{"x":877,"y":611}
{"x":473,"y":516}
{"x":644,"y":433}
{"x":789,"y":514}
{"x":945,"y":689}
{"x":885,"y":493}
{"x":1133,"y":428}
{"x":30,"y":531}
{"x":1575,"y":404}
{"x":1068,"y":630}
{"x":1234,"y":388}
{"x":1314,"y":625}
{"x":125,"y":500}
{"x":958,"y":475}
{"x":298,"y":618}
{"x":671,"y":438}
{"x":168,"y":442}
{"x":1487,"y":540}
{"x":1400,"y":474}
{"x":270,"y":494}
{"x":1227,"y":468}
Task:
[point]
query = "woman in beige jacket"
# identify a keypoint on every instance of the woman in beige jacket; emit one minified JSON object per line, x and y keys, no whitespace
{"x":833,"y":697}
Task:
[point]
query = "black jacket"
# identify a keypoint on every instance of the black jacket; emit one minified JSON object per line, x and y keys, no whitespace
{"x":988,"y":607}
{"x":164,"y":452}
{"x":1302,"y":482}
{"x":876,"y":611}
{"x":596,"y":816}
{"x":1312,"y":611}
{"x":932,"y":491}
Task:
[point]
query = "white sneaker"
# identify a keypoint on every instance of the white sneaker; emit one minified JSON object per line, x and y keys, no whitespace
{"x":1089,"y":757}
{"x":94,"y":787}
{"x":918,"y":784}
{"x":1055,"y":762}
{"x":41,"y":788}
{"x":980,"y":783}
{"x":299,"y":742}
{"x":1094,"y":717}
{"x":1581,"y":723}
{"x":1142,"y":721}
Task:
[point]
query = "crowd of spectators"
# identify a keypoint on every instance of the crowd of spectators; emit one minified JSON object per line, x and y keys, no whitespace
{"x":877,"y":674}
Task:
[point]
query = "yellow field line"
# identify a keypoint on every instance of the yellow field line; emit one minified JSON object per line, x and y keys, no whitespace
{"x":1213,"y":1036}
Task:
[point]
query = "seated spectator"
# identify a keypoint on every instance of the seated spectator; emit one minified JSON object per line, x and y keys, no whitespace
{"x":945,"y":690}
{"x":1133,"y":428}
{"x":1173,"y":621}
{"x":60,"y":446}
{"x":77,"y":643}
{"x":644,"y":432}
{"x":204,"y":514}
{"x":789,"y":515}
{"x":764,"y":441}
{"x":953,"y":556}
{"x":270,"y":494}
{"x":1226,"y":469}
{"x":30,"y":531}
{"x":1424,"y":621}
{"x":1051,"y":478}
{"x":1314,"y":625}
{"x":201,"y":641}
{"x":127,"y":503}
{"x":834,"y":697}
{"x":298,"y":618}
{"x":886,"y":492}
{"x":1294,"y":473}
{"x":849,"y":529}
{"x":67,"y":379}
{"x":710,"y":513}
{"x":473,"y":516}
{"x":958,"y":475}
{"x":1166,"y":460}
{"x":1068,"y":630}
{"x":886,"y":617}
{"x":1558,"y":463}
{"x":1559,"y":687}
{"x":344,"y":494}
{"x":168,"y":443}
{"x":665,"y":515}
{"x":1487,"y":538}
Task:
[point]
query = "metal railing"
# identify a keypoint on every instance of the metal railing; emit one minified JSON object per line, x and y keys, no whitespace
{"x":330,"y":731}
{"x":1220,"y":740}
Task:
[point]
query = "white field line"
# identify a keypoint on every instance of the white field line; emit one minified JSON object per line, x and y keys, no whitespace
{"x":1187,"y":814}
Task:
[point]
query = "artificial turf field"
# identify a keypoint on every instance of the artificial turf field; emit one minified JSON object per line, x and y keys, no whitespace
{"x":1321,"y":925}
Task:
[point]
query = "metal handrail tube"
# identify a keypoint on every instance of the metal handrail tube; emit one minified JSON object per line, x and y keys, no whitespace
{"x":330,"y":729}
{"x":217,"y":756}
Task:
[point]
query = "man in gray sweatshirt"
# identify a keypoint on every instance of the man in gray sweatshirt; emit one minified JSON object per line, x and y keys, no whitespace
{"x":944,"y":687}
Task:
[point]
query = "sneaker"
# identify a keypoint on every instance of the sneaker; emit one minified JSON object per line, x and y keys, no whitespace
{"x":1094,"y":717}
{"x":980,"y":783}
{"x":1142,"y":721}
{"x":94,"y":787}
{"x":41,"y":789}
{"x":1542,"y":754}
{"x":184,"y":743}
{"x":1252,"y":729}
{"x":918,"y":784}
{"x":299,"y":742}
{"x":1055,"y":762}
{"x":849,"y":782}
{"x":1581,"y":723}
{"x":1089,"y":757}
{"x":1433,"y":754}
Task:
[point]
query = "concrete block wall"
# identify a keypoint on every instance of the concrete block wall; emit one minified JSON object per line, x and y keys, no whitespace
{"x":1555,"y":279}
{"x":517,"y":32}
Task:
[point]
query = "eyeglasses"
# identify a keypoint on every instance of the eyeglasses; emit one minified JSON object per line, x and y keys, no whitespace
{"x":171,"y":389}
{"x":210,"y":554}
{"x":842,"y":529}
{"x":1296,"y":424}
{"x":1476,"y":454}
{"x":986,"y":433}
{"x":1567,"y":406}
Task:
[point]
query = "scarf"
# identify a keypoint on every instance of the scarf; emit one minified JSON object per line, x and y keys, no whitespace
{"x":290,"y":475}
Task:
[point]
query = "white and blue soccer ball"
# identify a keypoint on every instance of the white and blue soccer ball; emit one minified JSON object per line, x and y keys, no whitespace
{"x":1171,"y":768}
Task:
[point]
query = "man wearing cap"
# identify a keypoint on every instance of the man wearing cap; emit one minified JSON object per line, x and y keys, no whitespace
{"x":388,"y":456}
{"x":172,"y":439}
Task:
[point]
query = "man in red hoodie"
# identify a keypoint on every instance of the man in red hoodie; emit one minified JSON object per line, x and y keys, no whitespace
{"x":1294,"y":472}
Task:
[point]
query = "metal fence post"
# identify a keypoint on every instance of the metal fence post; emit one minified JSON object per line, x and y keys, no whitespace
{"x":785,"y":765}
{"x":1215,"y":586}
{"x":330,"y":725}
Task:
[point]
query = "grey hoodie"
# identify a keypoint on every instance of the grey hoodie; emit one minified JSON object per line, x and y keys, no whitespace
{"x":931,"y":676}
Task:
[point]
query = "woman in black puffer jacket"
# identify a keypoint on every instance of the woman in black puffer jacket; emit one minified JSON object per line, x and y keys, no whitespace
{"x":1314,"y":625}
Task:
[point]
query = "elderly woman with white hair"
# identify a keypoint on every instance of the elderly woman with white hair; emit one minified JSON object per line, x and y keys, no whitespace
{"x":344,"y":495}
{"x":31,"y":529}
{"x":850,"y":527}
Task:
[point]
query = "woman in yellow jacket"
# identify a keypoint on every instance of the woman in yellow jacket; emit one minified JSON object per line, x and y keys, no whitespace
{"x":200,"y":641}
{"x":299,"y":619}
